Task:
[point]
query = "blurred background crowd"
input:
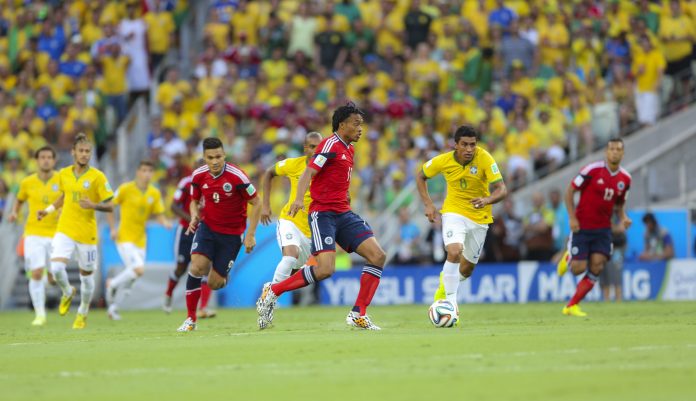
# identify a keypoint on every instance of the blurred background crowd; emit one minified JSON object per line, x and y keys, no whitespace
{"x":545,"y":82}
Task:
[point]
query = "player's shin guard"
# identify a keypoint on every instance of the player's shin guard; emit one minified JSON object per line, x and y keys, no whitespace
{"x":205,"y":293}
{"x":284,"y":268}
{"x":450,"y":280}
{"x":193,"y":295}
{"x":86,"y":291}
{"x":302,"y":278}
{"x":584,"y":286}
{"x":37,"y":293}
{"x":61,"y":277}
{"x":369,"y":281}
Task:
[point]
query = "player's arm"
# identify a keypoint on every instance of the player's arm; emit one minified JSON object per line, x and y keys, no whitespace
{"x":302,"y":186}
{"x":430,"y":211}
{"x":179,"y":211}
{"x":16,"y":207}
{"x":570,"y":207}
{"x":105,"y":206}
{"x":499,"y":193}
{"x":111,"y":220}
{"x":195,"y":217}
{"x":250,"y":237}
{"x":265,"y":212}
{"x":51,"y":208}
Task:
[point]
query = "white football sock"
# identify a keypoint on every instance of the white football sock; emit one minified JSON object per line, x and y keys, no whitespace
{"x":61,"y":277}
{"x":123,"y":292}
{"x":37,"y":293}
{"x":86,"y":291}
{"x":125,"y":276}
{"x":284,"y":268}
{"x":450,"y":279}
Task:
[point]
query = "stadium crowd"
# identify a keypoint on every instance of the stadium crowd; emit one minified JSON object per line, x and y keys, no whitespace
{"x":545,"y":81}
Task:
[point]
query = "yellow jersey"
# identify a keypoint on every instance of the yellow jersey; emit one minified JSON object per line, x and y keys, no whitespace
{"x":39,"y":195}
{"x":466,"y":182}
{"x":136,"y":207}
{"x":75,"y":222}
{"x":293,"y":169}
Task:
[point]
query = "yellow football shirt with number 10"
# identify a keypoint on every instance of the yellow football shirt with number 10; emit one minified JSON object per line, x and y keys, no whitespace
{"x":76,"y":222}
{"x":136,"y":208}
{"x":466,"y":182}
{"x":39,"y":195}
{"x":293,"y":169}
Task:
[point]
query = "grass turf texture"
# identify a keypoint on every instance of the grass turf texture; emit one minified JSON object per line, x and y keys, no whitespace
{"x":630,"y":351}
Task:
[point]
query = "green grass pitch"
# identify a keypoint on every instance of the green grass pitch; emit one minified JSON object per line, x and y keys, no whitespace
{"x":630,"y":351}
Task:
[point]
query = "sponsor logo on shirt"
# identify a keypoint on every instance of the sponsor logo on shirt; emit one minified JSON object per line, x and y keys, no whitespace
{"x":600,"y":181}
{"x":320,"y":160}
{"x":251,"y":190}
{"x":343,"y":157}
{"x":205,"y":186}
{"x":494,"y":168}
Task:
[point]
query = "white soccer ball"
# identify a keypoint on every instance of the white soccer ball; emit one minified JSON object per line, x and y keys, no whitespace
{"x":443,"y":313}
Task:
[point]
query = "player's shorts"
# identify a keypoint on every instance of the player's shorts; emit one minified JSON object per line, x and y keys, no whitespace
{"x":131,"y":255}
{"x":584,"y":243}
{"x":288,"y":234}
{"x":221,"y":249}
{"x":36,"y":252}
{"x":457,"y":229}
{"x":182,"y":245}
{"x":347,"y":229}
{"x":64,"y":246}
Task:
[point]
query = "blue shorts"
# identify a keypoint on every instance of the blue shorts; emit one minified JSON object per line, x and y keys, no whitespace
{"x":329,"y":228}
{"x":183,"y":242}
{"x":221,"y":249}
{"x":586,"y":242}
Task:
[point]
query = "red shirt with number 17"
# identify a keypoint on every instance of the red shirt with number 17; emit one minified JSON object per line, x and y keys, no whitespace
{"x":600,"y":190}
{"x":333,"y":159}
{"x":225,"y":197}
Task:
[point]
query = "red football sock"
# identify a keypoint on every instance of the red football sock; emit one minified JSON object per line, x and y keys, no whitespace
{"x":369,"y":281}
{"x":205,"y":294}
{"x":171,"y":285}
{"x":192,"y":298}
{"x":584,"y":286}
{"x":302,"y":278}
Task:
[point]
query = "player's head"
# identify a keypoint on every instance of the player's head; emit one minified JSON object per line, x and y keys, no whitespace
{"x":347,"y":121}
{"x":650,"y":221}
{"x":81,"y":150}
{"x":145,"y":171}
{"x":465,"y":138}
{"x":615,"y":151}
{"x":311,"y":141}
{"x":214,"y":155}
{"x":45,"y":158}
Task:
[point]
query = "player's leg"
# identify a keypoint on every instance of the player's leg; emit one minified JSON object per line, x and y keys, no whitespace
{"x":202,"y":253}
{"x":206,"y":292}
{"x":36,"y":260}
{"x":453,"y":235}
{"x":182,"y":252}
{"x":289,"y":243}
{"x":119,"y":288}
{"x":62,"y":248}
{"x":579,"y":251}
{"x":87,"y":261}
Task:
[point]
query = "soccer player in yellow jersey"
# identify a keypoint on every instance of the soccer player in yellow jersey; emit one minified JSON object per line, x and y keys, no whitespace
{"x":293,"y":233}
{"x":38,"y":190}
{"x":470,"y":172}
{"x":84,"y":191}
{"x":138,"y":200}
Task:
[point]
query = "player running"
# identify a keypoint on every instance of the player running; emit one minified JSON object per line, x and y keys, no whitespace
{"x":38,"y":190}
{"x":332,"y":222}
{"x":226,"y":190}
{"x":84,"y":190}
{"x":138,"y":200}
{"x":603,"y":187}
{"x":470,"y":172}
{"x":293,"y":234}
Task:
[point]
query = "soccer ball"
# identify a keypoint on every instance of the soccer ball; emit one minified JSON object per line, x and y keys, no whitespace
{"x":443,"y":313}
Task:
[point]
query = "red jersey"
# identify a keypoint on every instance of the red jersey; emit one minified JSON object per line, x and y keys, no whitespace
{"x":225,"y":197}
{"x":333,"y":159}
{"x":600,"y":190}
{"x":182,"y":198}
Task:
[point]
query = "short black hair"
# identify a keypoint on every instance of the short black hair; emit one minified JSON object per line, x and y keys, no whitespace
{"x":342,"y":113}
{"x":211,"y":143}
{"x":649,"y":218}
{"x":616,"y":140}
{"x":467,"y":131}
{"x":46,"y":148}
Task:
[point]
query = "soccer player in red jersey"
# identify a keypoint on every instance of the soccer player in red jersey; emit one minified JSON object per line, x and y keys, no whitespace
{"x":332,"y":221}
{"x":603,"y":188}
{"x":226,"y":190}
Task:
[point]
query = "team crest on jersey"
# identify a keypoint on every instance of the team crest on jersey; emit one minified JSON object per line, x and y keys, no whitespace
{"x":288,"y":236}
{"x":621,"y":185}
{"x":227,"y":187}
{"x":85,"y":184}
{"x":473,"y":170}
{"x":328,"y":240}
{"x":150,"y":200}
{"x":55,"y":187}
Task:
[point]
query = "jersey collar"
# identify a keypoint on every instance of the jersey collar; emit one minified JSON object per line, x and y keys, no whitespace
{"x":612,"y":173}
{"x":454,"y":157}
{"x":215,"y":177}
{"x":339,"y":138}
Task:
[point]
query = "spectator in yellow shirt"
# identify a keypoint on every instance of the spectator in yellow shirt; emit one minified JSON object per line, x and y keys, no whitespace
{"x":160,"y":27}
{"x":648,"y":68}
{"x":114,"y":66}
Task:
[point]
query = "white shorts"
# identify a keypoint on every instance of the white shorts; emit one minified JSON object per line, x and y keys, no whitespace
{"x":457,"y":229}
{"x":131,"y":255}
{"x":647,"y":106}
{"x":36,"y":252}
{"x":64,"y":246}
{"x":287,"y":233}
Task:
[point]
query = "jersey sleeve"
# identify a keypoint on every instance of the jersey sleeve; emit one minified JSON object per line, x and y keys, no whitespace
{"x":104,"y":191}
{"x":22,"y":195}
{"x":492,"y":171}
{"x":432,"y":167}
{"x":195,"y":190}
{"x":158,"y":205}
{"x":281,"y":168}
{"x":321,"y":156}
{"x":119,"y":195}
{"x":583,"y":178}
{"x":244,"y":185}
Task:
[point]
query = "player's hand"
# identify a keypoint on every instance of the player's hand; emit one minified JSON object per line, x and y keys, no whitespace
{"x":430,"y":212}
{"x":266,"y":215}
{"x":626,"y":222}
{"x":40,"y":214}
{"x":249,"y":243}
{"x":87,"y":204}
{"x":193,"y":225}
{"x":574,"y":224}
{"x":12,"y":218}
{"x":479,"y":202}
{"x":114,"y":234}
{"x":295,"y":207}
